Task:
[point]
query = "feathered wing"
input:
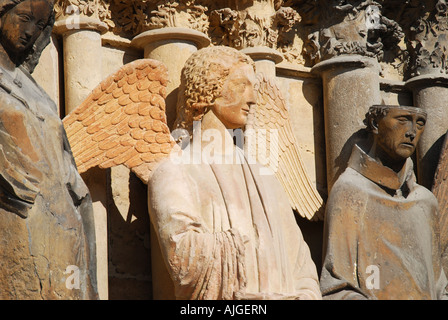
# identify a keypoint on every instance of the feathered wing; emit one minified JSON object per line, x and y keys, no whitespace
{"x":123,"y":121}
{"x":269,"y":122}
{"x":440,"y":190}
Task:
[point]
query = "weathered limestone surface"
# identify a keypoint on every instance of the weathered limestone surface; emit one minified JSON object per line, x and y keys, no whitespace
{"x":405,"y":38}
{"x":46,"y":223}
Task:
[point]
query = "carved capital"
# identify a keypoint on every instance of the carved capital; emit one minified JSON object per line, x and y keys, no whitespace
{"x":129,"y":18}
{"x":340,"y":27}
{"x":178,"y":14}
{"x":257,"y":24}
{"x":86,"y":10}
{"x":428,"y":35}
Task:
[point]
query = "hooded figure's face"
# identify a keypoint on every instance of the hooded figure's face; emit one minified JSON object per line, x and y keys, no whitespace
{"x":399,"y":132}
{"x":22,"y":25}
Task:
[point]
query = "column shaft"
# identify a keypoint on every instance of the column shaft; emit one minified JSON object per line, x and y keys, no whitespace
{"x":350,"y":87}
{"x":430,"y":93}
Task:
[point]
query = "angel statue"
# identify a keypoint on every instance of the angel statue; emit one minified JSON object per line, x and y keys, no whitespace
{"x":224,"y":221}
{"x":46,"y":217}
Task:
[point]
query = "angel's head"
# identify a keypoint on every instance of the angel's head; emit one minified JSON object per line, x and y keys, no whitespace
{"x":22,"y":23}
{"x":217,"y":79}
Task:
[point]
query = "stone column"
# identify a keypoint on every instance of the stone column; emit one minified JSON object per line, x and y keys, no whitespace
{"x":82,"y":57}
{"x":173,"y":46}
{"x":428,"y":48}
{"x":350,"y":87}
{"x":265,"y":59}
{"x":430,"y":92}
{"x":82,"y":47}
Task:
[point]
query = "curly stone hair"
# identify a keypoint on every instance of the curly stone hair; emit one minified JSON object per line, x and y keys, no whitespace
{"x":202,"y":79}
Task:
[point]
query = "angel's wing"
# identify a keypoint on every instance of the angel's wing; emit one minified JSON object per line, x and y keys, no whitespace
{"x":440,"y":190}
{"x":271,"y":118}
{"x":123,"y":121}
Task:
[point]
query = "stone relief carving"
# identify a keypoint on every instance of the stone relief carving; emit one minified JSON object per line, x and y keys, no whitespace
{"x":428,"y":41}
{"x":305,"y":31}
{"x":91,"y":8}
{"x":385,"y":217}
{"x":46,"y":216}
{"x":186,"y":14}
{"x":129,"y":127}
{"x":129,"y":18}
{"x":347,"y":27}
{"x":236,"y":24}
{"x":272,"y":26}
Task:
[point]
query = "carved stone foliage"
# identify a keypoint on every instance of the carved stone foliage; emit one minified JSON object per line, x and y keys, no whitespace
{"x":428,"y":35}
{"x":346,"y":27}
{"x":424,"y":24}
{"x":265,"y":23}
{"x":238,"y":24}
{"x":305,"y":31}
{"x":128,"y":18}
{"x":91,"y":8}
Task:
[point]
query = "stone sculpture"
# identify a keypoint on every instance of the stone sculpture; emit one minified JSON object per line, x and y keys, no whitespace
{"x":46,"y":218}
{"x":226,"y":229}
{"x":381,"y":236}
{"x":440,"y":190}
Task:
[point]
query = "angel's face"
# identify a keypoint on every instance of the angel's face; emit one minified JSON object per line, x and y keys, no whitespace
{"x":237,"y":96}
{"x":22,"y":25}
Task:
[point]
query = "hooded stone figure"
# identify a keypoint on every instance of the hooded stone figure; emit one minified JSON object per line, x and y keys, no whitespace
{"x":381,"y":233}
{"x":47,"y":239}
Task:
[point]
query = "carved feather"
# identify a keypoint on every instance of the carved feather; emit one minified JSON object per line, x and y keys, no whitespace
{"x":123,"y":121}
{"x":281,"y":151}
{"x":440,"y":190}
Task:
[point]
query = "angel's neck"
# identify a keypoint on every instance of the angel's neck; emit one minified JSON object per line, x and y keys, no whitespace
{"x":215,"y":137}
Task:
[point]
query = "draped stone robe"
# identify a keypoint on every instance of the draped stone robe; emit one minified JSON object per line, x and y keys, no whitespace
{"x":226,"y":232}
{"x":381,"y":235}
{"x":47,"y":239}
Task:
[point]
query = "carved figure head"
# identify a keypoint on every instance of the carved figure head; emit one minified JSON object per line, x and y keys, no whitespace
{"x":396,"y":131}
{"x":213,"y":78}
{"x":23,"y":27}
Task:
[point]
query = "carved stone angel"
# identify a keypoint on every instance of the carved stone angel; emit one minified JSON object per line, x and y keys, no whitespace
{"x":224,"y":222}
{"x":46,"y":217}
